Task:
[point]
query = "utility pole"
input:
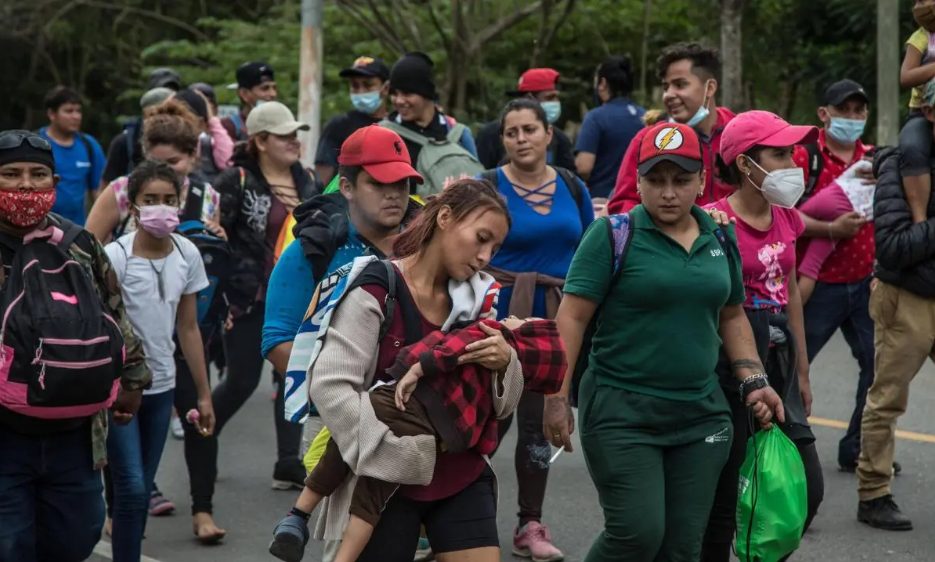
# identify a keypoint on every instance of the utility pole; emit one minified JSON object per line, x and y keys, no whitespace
{"x":310,"y":76}
{"x":888,"y":63}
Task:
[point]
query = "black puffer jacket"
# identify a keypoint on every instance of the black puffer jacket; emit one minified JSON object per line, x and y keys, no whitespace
{"x":322,"y":226}
{"x":245,"y":209}
{"x":905,"y":251}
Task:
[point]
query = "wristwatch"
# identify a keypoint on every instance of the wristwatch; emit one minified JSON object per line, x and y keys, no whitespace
{"x":752,"y":383}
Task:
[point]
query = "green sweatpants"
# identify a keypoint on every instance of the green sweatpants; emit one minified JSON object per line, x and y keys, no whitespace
{"x":655,"y":464}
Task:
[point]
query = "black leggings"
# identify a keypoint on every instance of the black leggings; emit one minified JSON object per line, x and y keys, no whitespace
{"x":531,"y":458}
{"x":719,"y":534}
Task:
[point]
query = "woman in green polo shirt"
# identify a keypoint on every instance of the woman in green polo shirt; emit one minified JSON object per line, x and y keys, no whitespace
{"x":655,"y":425}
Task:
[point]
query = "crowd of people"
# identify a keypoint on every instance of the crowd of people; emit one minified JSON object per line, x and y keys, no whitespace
{"x":420,"y":289}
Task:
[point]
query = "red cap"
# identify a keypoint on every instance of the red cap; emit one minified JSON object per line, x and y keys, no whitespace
{"x":381,"y":152}
{"x":670,"y":142}
{"x":536,"y":80}
{"x":762,"y":128}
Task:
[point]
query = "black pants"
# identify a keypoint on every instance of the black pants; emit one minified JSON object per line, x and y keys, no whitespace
{"x":244,"y":367}
{"x":464,"y":521}
{"x":722,"y":522}
{"x":532,"y":456}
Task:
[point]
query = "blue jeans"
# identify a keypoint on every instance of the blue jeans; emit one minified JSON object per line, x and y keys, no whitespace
{"x":845,"y":306}
{"x":134,"y":451}
{"x":51,"y":507}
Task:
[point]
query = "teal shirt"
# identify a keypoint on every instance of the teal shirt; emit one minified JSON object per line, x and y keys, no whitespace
{"x":657,"y":329}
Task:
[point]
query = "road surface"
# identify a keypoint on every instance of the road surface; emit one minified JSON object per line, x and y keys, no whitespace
{"x":247,"y":507}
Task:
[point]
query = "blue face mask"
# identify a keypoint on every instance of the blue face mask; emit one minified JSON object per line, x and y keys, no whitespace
{"x":553,"y":110}
{"x":367,"y":102}
{"x":702,"y":112}
{"x":847,"y":131}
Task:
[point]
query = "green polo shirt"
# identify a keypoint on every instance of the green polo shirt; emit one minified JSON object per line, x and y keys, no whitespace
{"x":657,"y":329}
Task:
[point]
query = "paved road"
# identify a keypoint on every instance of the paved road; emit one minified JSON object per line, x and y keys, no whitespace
{"x":248,"y":508}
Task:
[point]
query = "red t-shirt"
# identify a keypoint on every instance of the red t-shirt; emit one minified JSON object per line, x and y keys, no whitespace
{"x":852,"y":259}
{"x":453,"y":471}
{"x":768,"y":256}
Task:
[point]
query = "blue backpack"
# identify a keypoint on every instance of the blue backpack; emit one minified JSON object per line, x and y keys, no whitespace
{"x":216,"y":254}
{"x":620,"y":236}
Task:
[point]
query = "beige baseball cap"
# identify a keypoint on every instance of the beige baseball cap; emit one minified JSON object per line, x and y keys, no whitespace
{"x":274,"y":118}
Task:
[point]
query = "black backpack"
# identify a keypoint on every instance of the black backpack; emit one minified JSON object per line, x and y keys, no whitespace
{"x":63,"y":352}
{"x":816,"y":164}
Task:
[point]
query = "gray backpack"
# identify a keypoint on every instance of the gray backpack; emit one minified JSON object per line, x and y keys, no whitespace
{"x":440,"y":161}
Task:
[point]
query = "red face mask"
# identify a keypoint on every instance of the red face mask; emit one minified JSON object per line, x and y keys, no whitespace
{"x":26,"y":208}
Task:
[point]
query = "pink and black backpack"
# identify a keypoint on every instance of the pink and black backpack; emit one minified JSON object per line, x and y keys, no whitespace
{"x":62,"y":351}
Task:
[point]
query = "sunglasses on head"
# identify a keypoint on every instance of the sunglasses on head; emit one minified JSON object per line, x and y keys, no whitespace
{"x":15,"y":139}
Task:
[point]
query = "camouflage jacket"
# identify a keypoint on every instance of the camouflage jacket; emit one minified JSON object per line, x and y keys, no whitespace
{"x":87,"y":251}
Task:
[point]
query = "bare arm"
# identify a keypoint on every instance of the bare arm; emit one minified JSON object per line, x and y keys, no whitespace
{"x":740,"y":348}
{"x":797,"y":326}
{"x":913,"y":73}
{"x":186,"y":324}
{"x":104,"y":215}
{"x":574,"y":315}
{"x":845,"y":226}
{"x":279,"y":356}
{"x":584,"y":162}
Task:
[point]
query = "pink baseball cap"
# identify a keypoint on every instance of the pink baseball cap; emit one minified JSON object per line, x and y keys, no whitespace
{"x":753,"y":128}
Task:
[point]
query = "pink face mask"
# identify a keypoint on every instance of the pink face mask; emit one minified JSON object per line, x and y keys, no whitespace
{"x":159,"y":220}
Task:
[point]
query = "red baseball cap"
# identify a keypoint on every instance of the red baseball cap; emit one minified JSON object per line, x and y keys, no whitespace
{"x":670,"y":142}
{"x":761,"y":128}
{"x":535,"y":80}
{"x":381,"y":153}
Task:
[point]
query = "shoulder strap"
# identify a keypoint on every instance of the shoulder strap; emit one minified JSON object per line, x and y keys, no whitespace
{"x":815,"y":165}
{"x":722,"y":240}
{"x":194,"y":202}
{"x":571,"y":181}
{"x":455,"y":133}
{"x":620,"y":234}
{"x":238,"y":126}
{"x":129,"y":136}
{"x":91,"y":157}
{"x":70,"y":233}
{"x":243,"y":178}
{"x":491,"y":175}
{"x":405,"y":132}
{"x":390,"y":299}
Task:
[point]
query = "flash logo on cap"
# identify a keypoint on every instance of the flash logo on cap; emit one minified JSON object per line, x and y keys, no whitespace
{"x":363,"y":61}
{"x":669,"y":138}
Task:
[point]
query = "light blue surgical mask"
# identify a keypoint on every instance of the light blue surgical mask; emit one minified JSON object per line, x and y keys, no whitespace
{"x":553,"y":110}
{"x":368,"y":102}
{"x":847,"y":131}
{"x":702,"y":112}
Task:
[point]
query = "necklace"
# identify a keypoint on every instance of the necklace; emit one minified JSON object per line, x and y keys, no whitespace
{"x":159,"y":282}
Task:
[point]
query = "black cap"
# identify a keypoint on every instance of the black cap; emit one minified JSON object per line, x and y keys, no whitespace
{"x":368,"y":67}
{"x":841,"y":91}
{"x":207,"y":90}
{"x":194,"y":102}
{"x":413,"y":73}
{"x":25,"y":146}
{"x":252,"y":74}
{"x":165,"y":78}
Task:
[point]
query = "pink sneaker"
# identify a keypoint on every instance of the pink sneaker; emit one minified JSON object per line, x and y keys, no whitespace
{"x":534,"y":541}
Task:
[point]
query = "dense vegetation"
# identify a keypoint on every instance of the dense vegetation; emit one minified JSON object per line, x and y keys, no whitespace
{"x":790,"y":49}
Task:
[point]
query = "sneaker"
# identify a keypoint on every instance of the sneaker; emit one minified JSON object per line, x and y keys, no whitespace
{"x":159,"y":505}
{"x":289,"y":474}
{"x":534,"y":541}
{"x":424,"y":551}
{"x":289,"y":539}
{"x":883,"y":513}
{"x":177,"y":430}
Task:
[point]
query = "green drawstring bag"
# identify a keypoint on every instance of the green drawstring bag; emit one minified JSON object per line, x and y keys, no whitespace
{"x":772,"y":502}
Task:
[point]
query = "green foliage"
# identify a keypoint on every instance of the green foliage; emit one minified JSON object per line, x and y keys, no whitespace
{"x":792,"y":49}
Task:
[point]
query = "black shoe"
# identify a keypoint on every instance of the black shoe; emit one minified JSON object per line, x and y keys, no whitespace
{"x":883,"y":513}
{"x":289,"y":474}
{"x":897,"y":468}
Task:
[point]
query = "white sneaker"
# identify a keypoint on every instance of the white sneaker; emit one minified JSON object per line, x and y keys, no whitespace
{"x":177,"y":430}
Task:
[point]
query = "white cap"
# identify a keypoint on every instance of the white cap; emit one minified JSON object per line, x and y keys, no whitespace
{"x":274,"y":118}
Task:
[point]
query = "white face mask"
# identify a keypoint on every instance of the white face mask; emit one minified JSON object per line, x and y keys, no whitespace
{"x":782,"y":188}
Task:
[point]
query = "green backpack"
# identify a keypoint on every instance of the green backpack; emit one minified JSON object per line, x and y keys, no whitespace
{"x":440,"y":161}
{"x":772,"y":502}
